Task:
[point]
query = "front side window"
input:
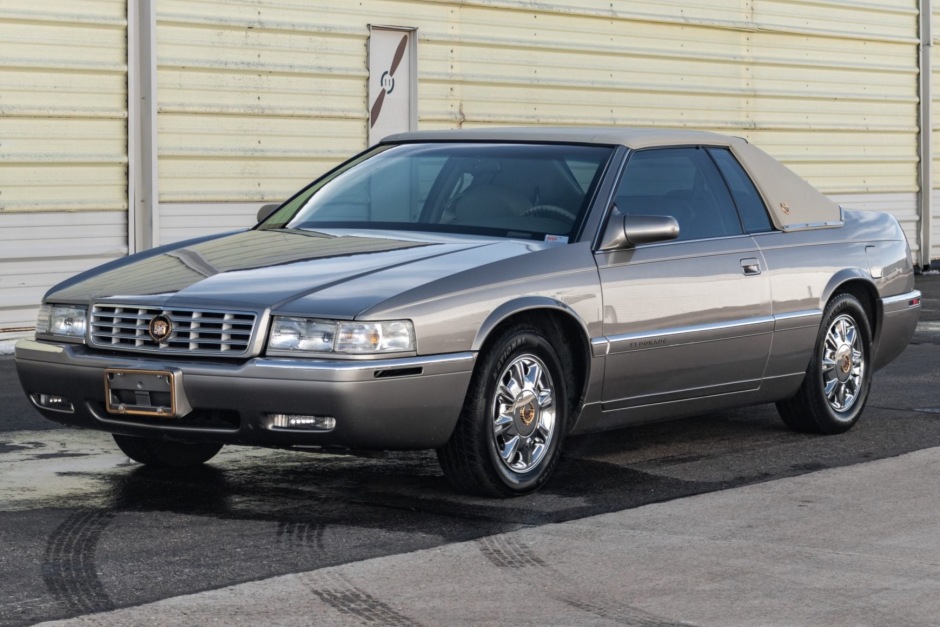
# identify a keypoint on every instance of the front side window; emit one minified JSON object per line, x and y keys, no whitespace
{"x":529,"y":191}
{"x":683,"y":183}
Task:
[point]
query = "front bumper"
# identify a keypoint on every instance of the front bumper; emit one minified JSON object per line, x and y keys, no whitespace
{"x":409,"y":403}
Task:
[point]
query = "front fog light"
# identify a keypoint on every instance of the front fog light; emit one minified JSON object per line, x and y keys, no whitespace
{"x":302,"y":422}
{"x":52,"y":402}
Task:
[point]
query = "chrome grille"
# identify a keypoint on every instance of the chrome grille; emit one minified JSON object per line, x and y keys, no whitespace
{"x":195,"y":331}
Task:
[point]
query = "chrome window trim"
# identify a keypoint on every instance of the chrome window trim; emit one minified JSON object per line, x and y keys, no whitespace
{"x":806,"y":226}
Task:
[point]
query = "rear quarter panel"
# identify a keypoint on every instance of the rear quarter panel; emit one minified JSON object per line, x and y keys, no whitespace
{"x":808,"y":267}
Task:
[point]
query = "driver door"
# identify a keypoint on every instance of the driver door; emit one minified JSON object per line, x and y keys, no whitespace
{"x":691,"y":317}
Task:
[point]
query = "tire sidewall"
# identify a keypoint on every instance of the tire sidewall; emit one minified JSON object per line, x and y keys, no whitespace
{"x":523,"y":342}
{"x":844,"y":304}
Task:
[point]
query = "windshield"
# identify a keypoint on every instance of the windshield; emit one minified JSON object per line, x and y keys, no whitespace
{"x":531,"y":191}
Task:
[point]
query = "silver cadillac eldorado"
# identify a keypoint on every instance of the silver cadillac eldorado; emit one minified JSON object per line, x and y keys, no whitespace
{"x":485,"y":293}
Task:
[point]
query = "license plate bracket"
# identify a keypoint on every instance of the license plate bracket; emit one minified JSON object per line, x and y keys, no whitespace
{"x":155,"y":393}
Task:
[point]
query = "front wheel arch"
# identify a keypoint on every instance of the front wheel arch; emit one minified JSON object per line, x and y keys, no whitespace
{"x":562,"y":327}
{"x":508,"y":438}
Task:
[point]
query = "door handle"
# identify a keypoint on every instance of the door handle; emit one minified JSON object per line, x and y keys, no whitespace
{"x":750,"y":266}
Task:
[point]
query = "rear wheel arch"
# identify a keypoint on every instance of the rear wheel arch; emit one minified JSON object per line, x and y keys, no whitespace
{"x":867,"y":294}
{"x":835,"y":389}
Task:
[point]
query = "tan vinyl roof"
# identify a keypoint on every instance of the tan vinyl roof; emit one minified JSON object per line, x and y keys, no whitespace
{"x":794,"y":204}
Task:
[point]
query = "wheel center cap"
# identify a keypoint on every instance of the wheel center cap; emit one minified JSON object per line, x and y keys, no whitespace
{"x":844,"y":362}
{"x":527,"y":411}
{"x":527,"y":414}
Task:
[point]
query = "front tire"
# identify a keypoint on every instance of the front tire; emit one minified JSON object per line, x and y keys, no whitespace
{"x":508,"y":439}
{"x":166,"y":454}
{"x":835,"y":390}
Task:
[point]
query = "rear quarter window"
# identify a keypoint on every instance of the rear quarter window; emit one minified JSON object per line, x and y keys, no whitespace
{"x":746,"y":197}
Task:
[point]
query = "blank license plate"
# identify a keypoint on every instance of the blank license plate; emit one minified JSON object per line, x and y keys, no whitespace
{"x":141,"y":392}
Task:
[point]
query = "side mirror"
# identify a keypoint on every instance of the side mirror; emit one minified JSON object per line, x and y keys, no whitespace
{"x":627,"y":231}
{"x":266,"y":210}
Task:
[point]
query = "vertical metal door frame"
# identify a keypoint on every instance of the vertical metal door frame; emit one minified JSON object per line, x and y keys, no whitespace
{"x":925,"y":135}
{"x":142,"y":182}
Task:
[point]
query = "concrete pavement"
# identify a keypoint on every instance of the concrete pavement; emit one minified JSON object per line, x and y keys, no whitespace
{"x":850,"y":546}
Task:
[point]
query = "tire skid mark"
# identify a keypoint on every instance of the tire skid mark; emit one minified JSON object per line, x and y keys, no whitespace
{"x":507,"y":551}
{"x":619,"y":613}
{"x":348,"y":599}
{"x":301,"y":534}
{"x":68,"y":569}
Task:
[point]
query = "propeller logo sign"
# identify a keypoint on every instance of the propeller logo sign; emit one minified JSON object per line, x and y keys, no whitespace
{"x":388,"y":82}
{"x":390,"y":71}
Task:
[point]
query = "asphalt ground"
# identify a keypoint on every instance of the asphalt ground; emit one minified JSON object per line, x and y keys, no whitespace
{"x":83,"y":530}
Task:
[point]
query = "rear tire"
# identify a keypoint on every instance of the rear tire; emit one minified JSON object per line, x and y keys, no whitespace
{"x":835,"y":390}
{"x":508,"y":438}
{"x":166,"y":454}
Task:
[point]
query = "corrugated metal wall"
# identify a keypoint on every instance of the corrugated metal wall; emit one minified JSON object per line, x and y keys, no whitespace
{"x":256,"y":97}
{"x":63,"y":146}
{"x":935,"y":127}
{"x":254,"y":100}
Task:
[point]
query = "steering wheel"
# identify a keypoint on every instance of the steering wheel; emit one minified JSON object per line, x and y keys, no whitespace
{"x":550,"y":211}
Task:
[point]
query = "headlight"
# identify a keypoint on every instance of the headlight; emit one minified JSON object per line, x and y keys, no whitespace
{"x":304,"y":335}
{"x":61,"y":321}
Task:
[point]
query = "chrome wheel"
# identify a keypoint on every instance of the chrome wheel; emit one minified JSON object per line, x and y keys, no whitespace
{"x":524,"y":413}
{"x":843,"y":364}
{"x":835,"y":389}
{"x":507,"y":441}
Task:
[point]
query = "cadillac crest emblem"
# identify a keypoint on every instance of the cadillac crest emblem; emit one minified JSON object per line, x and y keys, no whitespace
{"x":160,"y":328}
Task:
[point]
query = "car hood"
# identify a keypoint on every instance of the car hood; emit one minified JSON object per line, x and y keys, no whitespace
{"x":331,"y":274}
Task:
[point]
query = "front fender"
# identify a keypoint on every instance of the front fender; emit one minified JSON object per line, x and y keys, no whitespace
{"x":521,"y":305}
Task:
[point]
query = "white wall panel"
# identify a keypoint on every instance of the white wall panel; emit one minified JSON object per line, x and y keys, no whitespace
{"x":37,"y":250}
{"x":803,"y":73}
{"x":63,"y":145}
{"x":181,"y":221}
{"x":257,"y":97}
